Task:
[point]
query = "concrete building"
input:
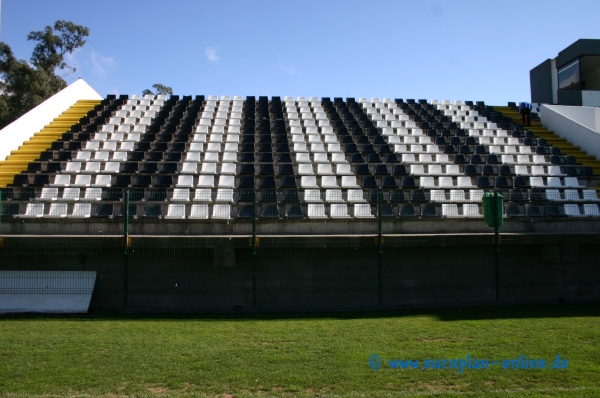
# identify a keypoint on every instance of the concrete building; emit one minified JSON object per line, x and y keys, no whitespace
{"x":571,"y":78}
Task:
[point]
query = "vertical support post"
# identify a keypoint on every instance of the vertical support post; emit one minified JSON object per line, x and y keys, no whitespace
{"x":497,"y":244}
{"x":1,"y":239}
{"x":126,"y":252}
{"x":0,"y":213}
{"x":379,"y":250}
{"x":254,"y":248}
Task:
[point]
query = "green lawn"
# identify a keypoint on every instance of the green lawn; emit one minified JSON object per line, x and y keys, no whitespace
{"x":322,"y":354}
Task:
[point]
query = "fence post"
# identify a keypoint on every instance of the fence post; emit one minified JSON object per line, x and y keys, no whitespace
{"x":254,"y":248}
{"x":497,"y":244}
{"x":1,"y":237}
{"x":379,"y":251}
{"x":126,"y":252}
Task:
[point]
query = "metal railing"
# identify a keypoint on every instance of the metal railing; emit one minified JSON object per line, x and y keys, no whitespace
{"x":273,"y":248}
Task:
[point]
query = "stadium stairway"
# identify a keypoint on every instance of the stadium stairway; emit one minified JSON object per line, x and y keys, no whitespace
{"x":18,"y":160}
{"x":552,"y":138}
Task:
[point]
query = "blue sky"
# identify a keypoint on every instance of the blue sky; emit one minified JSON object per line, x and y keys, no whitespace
{"x":467,"y":50}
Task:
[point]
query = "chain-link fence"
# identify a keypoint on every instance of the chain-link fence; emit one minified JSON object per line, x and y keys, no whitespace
{"x":338,"y":248}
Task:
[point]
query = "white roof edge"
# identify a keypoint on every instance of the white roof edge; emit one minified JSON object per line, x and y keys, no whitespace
{"x":22,"y":129}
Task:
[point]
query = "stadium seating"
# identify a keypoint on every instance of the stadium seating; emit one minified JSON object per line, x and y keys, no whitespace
{"x":203,"y":158}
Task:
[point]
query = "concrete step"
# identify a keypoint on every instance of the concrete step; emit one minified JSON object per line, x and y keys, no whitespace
{"x":13,"y":163}
{"x":19,"y":157}
{"x":11,"y":170}
{"x":30,"y":149}
{"x":43,"y":139}
{"x":48,"y":134}
{"x":563,"y":144}
{"x":57,"y":128}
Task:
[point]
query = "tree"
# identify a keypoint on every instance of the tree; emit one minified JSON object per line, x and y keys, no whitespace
{"x":160,"y":89}
{"x":25,"y":85}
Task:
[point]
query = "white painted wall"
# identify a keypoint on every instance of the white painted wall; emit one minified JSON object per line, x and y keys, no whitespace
{"x":22,"y":129}
{"x":46,"y":291}
{"x":585,"y":115}
{"x":590,"y":98}
{"x":580,"y":125}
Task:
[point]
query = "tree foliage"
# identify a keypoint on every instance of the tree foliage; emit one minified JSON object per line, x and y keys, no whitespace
{"x":160,"y":89}
{"x":48,"y":53}
{"x":25,"y":85}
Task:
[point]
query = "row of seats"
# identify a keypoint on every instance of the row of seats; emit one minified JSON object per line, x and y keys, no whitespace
{"x":500,"y":182}
{"x":430,"y":182}
{"x":307,"y":195}
{"x":125,"y":180}
{"x":196,"y":166}
{"x":319,"y":156}
{"x":403,"y":147}
{"x":311,"y":211}
{"x":486,"y":159}
{"x":507,"y":170}
{"x":183,"y":211}
{"x":461,"y":140}
{"x":486,"y":163}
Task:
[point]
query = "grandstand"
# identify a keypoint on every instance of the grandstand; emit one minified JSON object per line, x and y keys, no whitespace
{"x":218,"y":201}
{"x":199,"y":155}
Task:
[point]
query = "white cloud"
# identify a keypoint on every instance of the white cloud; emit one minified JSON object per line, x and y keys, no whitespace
{"x":211,"y":54}
{"x":100,"y":63}
{"x":289,"y":69}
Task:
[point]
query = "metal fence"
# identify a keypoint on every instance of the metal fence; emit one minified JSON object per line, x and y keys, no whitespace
{"x":289,"y":249}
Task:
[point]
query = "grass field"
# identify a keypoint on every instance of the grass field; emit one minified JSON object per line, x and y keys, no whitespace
{"x":118,"y":354}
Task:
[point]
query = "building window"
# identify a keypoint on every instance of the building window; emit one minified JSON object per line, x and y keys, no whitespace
{"x":569,"y":76}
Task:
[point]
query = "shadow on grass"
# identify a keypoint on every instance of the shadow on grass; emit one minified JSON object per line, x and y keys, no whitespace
{"x":442,"y":314}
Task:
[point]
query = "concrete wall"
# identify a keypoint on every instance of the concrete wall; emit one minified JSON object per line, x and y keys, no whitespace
{"x":19,"y":131}
{"x":577,"y":49}
{"x":540,"y":81}
{"x":590,"y":98}
{"x":569,"y":97}
{"x":554,"y":75}
{"x":579,"y":125}
{"x":544,"y":80}
{"x":578,"y":98}
{"x":586,"y":116}
{"x":49,"y":230}
{"x":417,"y":270}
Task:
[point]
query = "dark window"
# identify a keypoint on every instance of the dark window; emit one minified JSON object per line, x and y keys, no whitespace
{"x":590,"y":72}
{"x":569,"y":76}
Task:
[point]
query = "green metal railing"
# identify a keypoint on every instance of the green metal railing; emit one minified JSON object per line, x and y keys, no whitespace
{"x":259,"y":261}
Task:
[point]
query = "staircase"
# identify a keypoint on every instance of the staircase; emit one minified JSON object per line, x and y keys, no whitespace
{"x":20,"y":158}
{"x":565,"y":146}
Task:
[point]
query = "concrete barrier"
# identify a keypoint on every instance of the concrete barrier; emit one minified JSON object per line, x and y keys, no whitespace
{"x":46,"y":291}
{"x":579,"y":125}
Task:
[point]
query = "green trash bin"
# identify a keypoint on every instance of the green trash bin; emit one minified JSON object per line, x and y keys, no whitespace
{"x":488,"y":209}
